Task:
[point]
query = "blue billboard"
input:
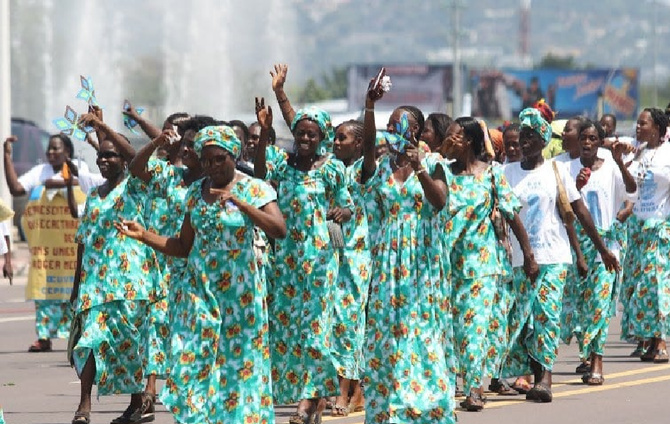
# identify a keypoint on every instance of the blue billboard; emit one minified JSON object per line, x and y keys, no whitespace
{"x":504,"y":93}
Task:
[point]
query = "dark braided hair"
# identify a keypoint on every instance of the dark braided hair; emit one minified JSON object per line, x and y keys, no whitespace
{"x":356,"y":127}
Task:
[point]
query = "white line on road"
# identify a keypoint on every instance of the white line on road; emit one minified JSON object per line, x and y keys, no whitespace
{"x":14,"y":319}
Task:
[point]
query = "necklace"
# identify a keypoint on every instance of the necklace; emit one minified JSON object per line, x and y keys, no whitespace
{"x":645,"y":164}
{"x":395,"y":162}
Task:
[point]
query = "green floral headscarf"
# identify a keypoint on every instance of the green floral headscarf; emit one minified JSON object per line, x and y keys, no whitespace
{"x":322,"y":119}
{"x":532,"y":118}
{"x":221,"y":136}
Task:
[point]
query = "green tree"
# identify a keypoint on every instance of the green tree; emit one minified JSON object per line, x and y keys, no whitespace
{"x":556,"y":62}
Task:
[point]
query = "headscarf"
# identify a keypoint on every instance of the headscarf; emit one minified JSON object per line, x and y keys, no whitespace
{"x":532,"y":118}
{"x":322,"y":119}
{"x":218,"y":135}
{"x":545,"y":110}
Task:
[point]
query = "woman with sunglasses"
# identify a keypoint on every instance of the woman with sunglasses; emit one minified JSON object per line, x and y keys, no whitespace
{"x":650,"y":237}
{"x":407,"y":377}
{"x":115,"y":282}
{"x":164,"y":209}
{"x":222,"y":373}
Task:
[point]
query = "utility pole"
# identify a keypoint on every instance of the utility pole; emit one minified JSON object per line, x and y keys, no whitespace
{"x":5,"y":90}
{"x":456,"y":6}
{"x":654,"y":41}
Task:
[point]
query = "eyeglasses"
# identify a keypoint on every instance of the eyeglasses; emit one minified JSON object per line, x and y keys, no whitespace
{"x":108,"y":155}
{"x":217,"y":160}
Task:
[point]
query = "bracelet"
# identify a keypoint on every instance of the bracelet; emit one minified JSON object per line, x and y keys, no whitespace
{"x":369,"y":109}
{"x":284,"y":100}
{"x":421,"y":171}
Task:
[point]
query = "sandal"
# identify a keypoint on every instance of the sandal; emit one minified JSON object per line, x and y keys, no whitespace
{"x":340,"y":411}
{"x":583,"y":368}
{"x":521,"y":385}
{"x":540,"y":393}
{"x":473,"y":403}
{"x":502,"y":387}
{"x":41,"y":345}
{"x":661,"y":356}
{"x":595,"y":379}
{"x":143,"y":414}
{"x":639,"y":350}
{"x":301,"y":417}
{"x":81,"y":418}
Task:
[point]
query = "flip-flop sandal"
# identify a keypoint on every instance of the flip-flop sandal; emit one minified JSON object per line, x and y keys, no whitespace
{"x":340,"y":411}
{"x":504,"y":389}
{"x":81,"y":418}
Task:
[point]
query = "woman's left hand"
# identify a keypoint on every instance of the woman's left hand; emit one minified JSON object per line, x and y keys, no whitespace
{"x":337,"y":214}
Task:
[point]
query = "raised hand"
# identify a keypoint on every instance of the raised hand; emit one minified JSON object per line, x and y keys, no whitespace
{"x":97,"y":111}
{"x":620,"y":148}
{"x":130,"y":229}
{"x":9,"y":141}
{"x":263,"y":114}
{"x":129,"y":110}
{"x":279,"y":76}
{"x":90,"y":120}
{"x":165,"y":137}
{"x":414,"y":156}
{"x":375,"y":89}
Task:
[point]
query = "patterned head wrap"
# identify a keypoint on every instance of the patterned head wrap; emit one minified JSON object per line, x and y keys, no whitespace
{"x":221,"y":136}
{"x":532,"y":118}
{"x":322,"y":119}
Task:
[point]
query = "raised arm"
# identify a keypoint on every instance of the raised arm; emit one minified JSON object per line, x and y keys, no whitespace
{"x":138,"y":166}
{"x":264,"y":118}
{"x":278,"y":80}
{"x":15,"y":187}
{"x":71,"y":202}
{"x":170,"y":246}
{"x":618,"y":150}
{"x":147,"y":127}
{"x":121,"y":143}
{"x":374,"y":93}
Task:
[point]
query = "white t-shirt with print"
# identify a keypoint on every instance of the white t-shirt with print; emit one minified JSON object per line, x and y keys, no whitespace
{"x":604,"y":195}
{"x":537,"y":191}
{"x":651,"y":170}
{"x":43,"y":172}
{"x":4,"y":231}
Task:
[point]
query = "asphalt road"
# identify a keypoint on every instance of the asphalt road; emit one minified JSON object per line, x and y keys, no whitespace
{"x":42,"y":388}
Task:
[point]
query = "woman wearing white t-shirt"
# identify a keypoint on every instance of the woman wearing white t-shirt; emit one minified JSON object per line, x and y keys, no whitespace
{"x":52,"y":317}
{"x":650,"y":237}
{"x":605,"y":185}
{"x":535,"y":334}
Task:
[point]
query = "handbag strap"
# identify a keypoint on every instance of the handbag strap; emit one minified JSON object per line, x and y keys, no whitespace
{"x":493,"y":189}
{"x":561,"y":194}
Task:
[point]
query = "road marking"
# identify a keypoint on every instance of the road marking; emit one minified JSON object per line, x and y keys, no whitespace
{"x":14,"y":319}
{"x":585,"y":390}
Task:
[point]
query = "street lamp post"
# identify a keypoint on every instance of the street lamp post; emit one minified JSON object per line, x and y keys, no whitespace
{"x":456,"y":45}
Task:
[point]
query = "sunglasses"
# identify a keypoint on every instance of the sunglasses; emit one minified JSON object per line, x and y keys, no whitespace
{"x":108,"y":155}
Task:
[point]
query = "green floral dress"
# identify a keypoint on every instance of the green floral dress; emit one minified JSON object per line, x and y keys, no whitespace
{"x":476,"y":268}
{"x":304,"y":280}
{"x":167,"y":197}
{"x":353,"y":283}
{"x":407,"y":377}
{"x":119,"y":278}
{"x":221,"y":373}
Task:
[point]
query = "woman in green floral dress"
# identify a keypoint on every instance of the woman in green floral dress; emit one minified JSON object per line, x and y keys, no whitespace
{"x":475,"y":265}
{"x":311,"y":189}
{"x":406,"y":378}
{"x":351,"y":291}
{"x":222,"y":374}
{"x":115,"y":282}
{"x":167,"y":182}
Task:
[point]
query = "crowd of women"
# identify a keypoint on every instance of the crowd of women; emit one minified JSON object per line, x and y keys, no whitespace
{"x":369,"y":269}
